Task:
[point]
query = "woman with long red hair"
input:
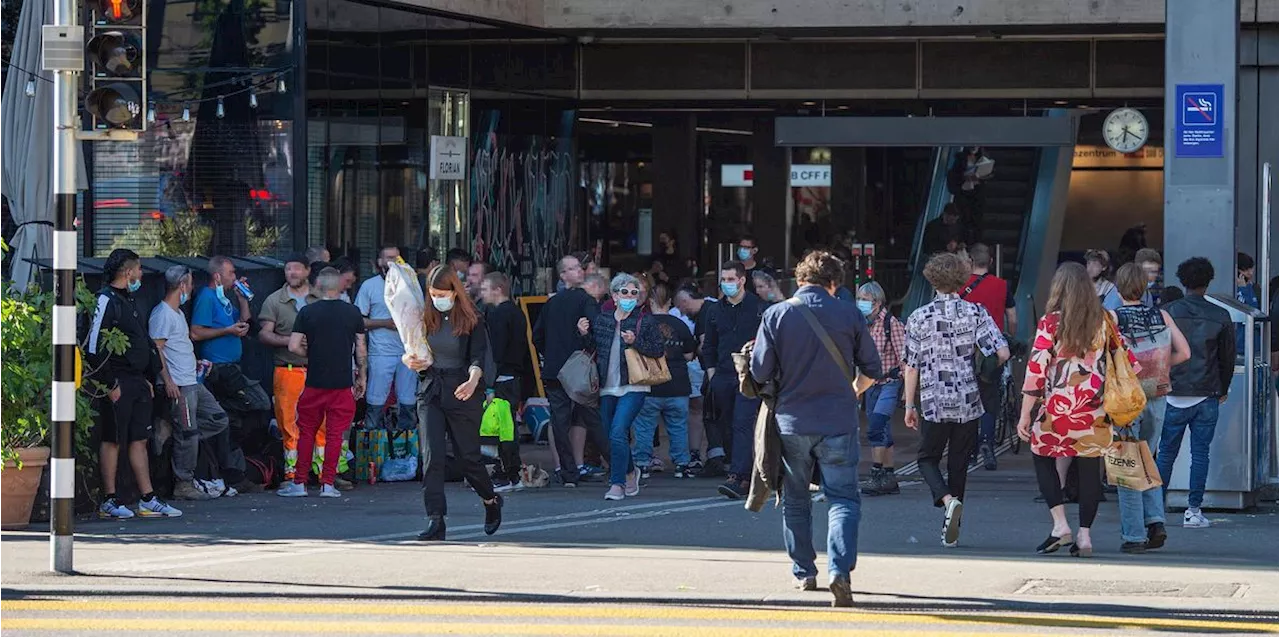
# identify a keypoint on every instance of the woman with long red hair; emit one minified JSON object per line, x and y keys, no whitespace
{"x":451,"y":393}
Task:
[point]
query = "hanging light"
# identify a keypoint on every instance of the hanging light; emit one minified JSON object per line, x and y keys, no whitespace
{"x":186,"y":113}
{"x":151,"y":113}
{"x":30,"y":89}
{"x":253,"y":100}
{"x":222,"y":111}
{"x":280,"y":87}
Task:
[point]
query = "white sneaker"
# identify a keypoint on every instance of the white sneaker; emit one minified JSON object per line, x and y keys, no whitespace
{"x":111,"y":509}
{"x":157,"y":508}
{"x":615,"y":493}
{"x":951,"y":523}
{"x":292,"y":490}
{"x":330,"y":491}
{"x":1194,"y":519}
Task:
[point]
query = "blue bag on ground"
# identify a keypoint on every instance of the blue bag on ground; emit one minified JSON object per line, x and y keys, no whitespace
{"x":402,"y":461}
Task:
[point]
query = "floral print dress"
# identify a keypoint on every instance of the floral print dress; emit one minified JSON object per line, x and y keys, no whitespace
{"x":1069,"y":420}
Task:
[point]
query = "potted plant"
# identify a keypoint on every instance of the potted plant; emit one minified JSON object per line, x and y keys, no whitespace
{"x":26,"y":341}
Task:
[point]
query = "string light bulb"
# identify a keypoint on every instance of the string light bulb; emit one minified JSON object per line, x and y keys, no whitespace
{"x":151,"y":113}
{"x":186,"y":113}
{"x":30,"y":89}
{"x":222,"y":111}
{"x":280,"y":87}
{"x":253,"y":100}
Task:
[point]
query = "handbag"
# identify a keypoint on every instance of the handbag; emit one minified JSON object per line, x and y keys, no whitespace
{"x":1129,"y":464}
{"x":1122,"y":395}
{"x":645,"y":370}
{"x":858,"y":382}
{"x":580,"y":379}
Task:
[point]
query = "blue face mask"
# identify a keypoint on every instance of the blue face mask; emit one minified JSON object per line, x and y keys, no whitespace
{"x":443,"y":304}
{"x":744,"y":254}
{"x":729,"y":289}
{"x":183,"y":298}
{"x":221,"y":293}
{"x":134,"y":286}
{"x":626,"y":305}
{"x":866,"y":307}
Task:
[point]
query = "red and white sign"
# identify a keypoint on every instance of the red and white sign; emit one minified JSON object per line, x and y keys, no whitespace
{"x":743,"y":175}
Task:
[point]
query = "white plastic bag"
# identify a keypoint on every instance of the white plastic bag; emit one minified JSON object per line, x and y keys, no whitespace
{"x":405,"y":302}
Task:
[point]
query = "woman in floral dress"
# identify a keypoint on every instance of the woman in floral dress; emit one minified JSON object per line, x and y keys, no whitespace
{"x":1062,"y":414}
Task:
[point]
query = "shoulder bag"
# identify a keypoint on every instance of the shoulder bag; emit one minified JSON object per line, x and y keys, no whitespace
{"x":1122,"y":395}
{"x":858,"y":382}
{"x":645,"y":370}
{"x":986,"y":369}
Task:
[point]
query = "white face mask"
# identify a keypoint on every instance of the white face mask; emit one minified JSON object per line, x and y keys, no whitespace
{"x":443,"y":304}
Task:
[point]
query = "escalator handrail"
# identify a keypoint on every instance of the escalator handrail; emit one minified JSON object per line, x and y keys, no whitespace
{"x":938,"y":197}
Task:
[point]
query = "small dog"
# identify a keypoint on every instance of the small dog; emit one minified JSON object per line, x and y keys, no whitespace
{"x":532,"y":476}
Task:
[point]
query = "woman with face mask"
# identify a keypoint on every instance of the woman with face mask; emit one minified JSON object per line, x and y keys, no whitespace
{"x":451,"y":398}
{"x":889,"y":335}
{"x":609,"y":335}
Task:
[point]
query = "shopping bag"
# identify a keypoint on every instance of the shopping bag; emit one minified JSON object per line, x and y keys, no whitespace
{"x":580,"y":379}
{"x":1122,"y":396}
{"x":402,"y":460}
{"x":371,"y":453}
{"x":1130,"y":465}
{"x":404,"y":299}
{"x":646,"y":370}
{"x":536,"y":417}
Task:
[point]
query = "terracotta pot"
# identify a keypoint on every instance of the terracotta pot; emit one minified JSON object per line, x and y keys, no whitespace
{"x":18,"y":488}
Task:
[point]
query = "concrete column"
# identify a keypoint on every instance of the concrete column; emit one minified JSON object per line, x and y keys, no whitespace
{"x":1201,"y":137}
{"x":676,"y":187}
{"x":769,"y":193}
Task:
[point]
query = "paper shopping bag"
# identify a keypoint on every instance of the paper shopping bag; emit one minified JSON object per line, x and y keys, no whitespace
{"x":1130,"y":465}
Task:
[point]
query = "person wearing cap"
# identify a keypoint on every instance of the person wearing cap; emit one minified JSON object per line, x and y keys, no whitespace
{"x":279,"y":311}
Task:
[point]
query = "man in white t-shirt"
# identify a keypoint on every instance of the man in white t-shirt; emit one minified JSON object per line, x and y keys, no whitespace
{"x":385,"y":350}
{"x":196,"y":413}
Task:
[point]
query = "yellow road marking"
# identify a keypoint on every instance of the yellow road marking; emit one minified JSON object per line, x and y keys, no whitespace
{"x":622,"y":611}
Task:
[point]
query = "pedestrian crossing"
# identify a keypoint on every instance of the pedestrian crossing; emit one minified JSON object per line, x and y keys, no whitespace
{"x":614,"y":619}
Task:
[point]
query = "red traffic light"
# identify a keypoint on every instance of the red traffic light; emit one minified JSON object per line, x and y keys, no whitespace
{"x":115,"y":54}
{"x":119,"y":12}
{"x":115,"y":105}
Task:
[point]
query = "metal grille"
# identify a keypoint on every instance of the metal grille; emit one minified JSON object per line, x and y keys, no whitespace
{"x":822,"y":65}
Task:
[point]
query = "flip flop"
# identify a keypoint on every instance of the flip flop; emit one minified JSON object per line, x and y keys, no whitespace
{"x":1053,"y":543}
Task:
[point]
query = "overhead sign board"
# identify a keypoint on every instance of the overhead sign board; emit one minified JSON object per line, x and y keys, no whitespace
{"x":1198,"y":120}
{"x":743,"y":175}
{"x":448,"y":158}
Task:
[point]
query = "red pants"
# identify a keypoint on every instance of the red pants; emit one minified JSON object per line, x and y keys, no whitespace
{"x":334,"y":408}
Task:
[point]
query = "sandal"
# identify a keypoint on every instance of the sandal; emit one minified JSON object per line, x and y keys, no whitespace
{"x":1054,"y":543}
{"x":1081,"y":551}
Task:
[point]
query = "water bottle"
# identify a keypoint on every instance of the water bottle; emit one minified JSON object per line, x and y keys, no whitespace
{"x":244,"y":290}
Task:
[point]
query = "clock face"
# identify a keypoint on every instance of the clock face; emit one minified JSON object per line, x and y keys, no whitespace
{"x":1125,"y":130}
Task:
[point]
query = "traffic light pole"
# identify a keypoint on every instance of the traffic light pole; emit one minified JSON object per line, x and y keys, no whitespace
{"x":63,"y":464}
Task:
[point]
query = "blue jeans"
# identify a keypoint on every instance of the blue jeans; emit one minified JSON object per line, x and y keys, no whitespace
{"x":383,"y":370}
{"x":618,"y":413}
{"x":882,"y":402}
{"x":1141,"y":508}
{"x":675,"y":413}
{"x":837,"y":456}
{"x":1202,"y":419}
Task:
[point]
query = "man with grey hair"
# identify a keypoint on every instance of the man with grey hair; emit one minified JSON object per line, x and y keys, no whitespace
{"x":196,"y":413}
{"x":317,"y":254}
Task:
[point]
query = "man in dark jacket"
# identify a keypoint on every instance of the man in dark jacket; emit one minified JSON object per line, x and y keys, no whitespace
{"x":731,"y":323}
{"x":555,"y":336}
{"x":1199,"y":385}
{"x":812,"y":387}
{"x":125,"y":415}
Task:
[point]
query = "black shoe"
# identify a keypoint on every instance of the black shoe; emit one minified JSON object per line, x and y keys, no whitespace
{"x":493,"y":515}
{"x":733,"y":488}
{"x":568,"y":478}
{"x":842,"y":592}
{"x":988,"y":457}
{"x":1053,"y":543}
{"x":1156,"y":535}
{"x":434,"y":532}
{"x":1133,"y":547}
{"x":713,"y":468}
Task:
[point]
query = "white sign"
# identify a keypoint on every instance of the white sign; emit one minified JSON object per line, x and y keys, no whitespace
{"x":743,"y":175}
{"x":448,"y":158}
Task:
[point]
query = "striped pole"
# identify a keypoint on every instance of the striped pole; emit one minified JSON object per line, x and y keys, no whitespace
{"x":62,"y":473}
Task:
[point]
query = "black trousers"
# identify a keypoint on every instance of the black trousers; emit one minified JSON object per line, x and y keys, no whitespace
{"x":509,"y":452}
{"x":440,"y":412}
{"x":723,"y":389}
{"x":564,"y":414}
{"x":1089,"y":490}
{"x":958,"y":439}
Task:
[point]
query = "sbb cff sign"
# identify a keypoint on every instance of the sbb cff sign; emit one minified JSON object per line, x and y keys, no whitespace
{"x":802,"y":175}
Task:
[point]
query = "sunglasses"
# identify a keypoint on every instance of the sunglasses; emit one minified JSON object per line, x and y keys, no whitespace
{"x":628,"y":292}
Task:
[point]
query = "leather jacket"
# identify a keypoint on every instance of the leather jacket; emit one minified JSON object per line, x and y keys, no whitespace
{"x":1212,"y":337}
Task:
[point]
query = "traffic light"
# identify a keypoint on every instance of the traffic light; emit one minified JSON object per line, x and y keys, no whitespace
{"x":117,"y":56}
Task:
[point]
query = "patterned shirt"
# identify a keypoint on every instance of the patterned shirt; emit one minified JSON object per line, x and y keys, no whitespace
{"x":942,"y":340}
{"x":890,"y":343}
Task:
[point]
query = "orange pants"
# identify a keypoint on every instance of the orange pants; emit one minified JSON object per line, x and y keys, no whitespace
{"x":287,"y":385}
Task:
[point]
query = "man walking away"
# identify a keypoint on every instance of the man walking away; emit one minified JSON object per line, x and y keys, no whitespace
{"x":555,"y":336}
{"x":734,"y":322}
{"x":125,"y":417}
{"x":994,"y":294}
{"x":326,"y":331}
{"x":507,"y":339}
{"x":196,"y":413}
{"x":279,"y":311}
{"x":385,"y":349}
{"x":1199,"y":385}
{"x":813,"y":386}
{"x":943,"y":338}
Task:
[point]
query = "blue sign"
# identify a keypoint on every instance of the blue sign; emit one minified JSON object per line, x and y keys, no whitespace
{"x":1198,"y":120}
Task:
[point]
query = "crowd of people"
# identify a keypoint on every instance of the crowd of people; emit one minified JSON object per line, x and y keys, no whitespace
{"x":706,"y":368}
